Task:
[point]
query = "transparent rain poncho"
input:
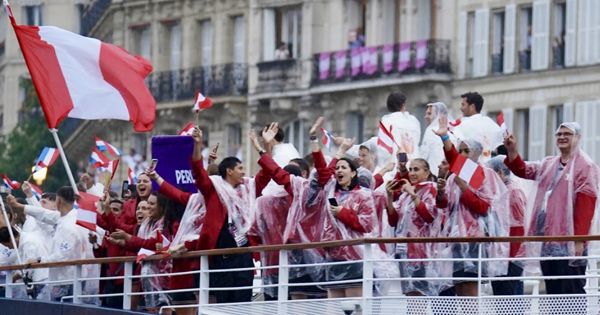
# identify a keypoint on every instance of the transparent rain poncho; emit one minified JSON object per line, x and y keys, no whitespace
{"x":150,"y":229}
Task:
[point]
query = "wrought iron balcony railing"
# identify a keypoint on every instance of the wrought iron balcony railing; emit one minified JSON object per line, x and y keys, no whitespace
{"x":92,"y":14}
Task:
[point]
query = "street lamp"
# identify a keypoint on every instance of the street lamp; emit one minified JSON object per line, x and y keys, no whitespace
{"x":40,"y":175}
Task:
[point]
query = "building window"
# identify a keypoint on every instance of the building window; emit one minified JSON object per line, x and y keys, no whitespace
{"x":525,"y":38}
{"x":282,"y":33}
{"x":239,"y":39}
{"x":206,"y":42}
{"x":356,"y":17}
{"x":391,"y":21}
{"x":355,"y":126}
{"x":424,"y":19}
{"x":142,"y":41}
{"x":33,"y":14}
{"x":522,"y":129}
{"x":234,"y":140}
{"x":498,"y":41}
{"x":559,"y":29}
{"x":175,"y":46}
{"x":296,"y":133}
{"x":470,"y":41}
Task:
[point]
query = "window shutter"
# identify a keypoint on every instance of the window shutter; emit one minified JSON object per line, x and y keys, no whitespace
{"x":510,"y":21}
{"x":583,"y":33}
{"x":268,"y":34}
{"x":568,"y":112}
{"x":239,"y":44}
{"x":146,"y":43}
{"x":207,"y":41}
{"x":540,"y":49}
{"x":462,"y":44}
{"x":596,"y":31}
{"x":482,"y":29}
{"x":571,"y":33}
{"x":175,"y":45}
{"x":537,"y":132}
{"x":509,"y":119}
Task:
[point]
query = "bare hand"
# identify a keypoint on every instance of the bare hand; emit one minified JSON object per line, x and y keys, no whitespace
{"x":197,"y":135}
{"x":392,"y":186}
{"x":254,"y":140}
{"x":177,"y":250}
{"x":510,"y":143}
{"x":26,"y":188}
{"x":387,"y":168}
{"x":316,"y":127}
{"x":13,"y":203}
{"x":152,"y":174}
{"x":212,"y":156}
{"x":120,"y":235}
{"x":335,"y":210}
{"x":117,"y":242}
{"x":461,"y":183}
{"x":347,"y":144}
{"x":579,"y":248}
{"x":92,"y":238}
{"x":443,"y":130}
{"x":269,"y":133}
{"x":441,"y":184}
{"x":409,"y":189}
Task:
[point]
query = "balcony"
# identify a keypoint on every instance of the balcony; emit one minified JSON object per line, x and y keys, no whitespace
{"x":92,"y":14}
{"x":278,"y":75}
{"x":386,"y":61}
{"x":217,"y":80}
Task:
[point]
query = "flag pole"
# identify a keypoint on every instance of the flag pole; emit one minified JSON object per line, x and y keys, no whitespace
{"x":54,"y":133}
{"x":10,"y":232}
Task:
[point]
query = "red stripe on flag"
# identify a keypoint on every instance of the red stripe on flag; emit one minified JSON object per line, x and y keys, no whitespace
{"x":126,"y":73}
{"x":46,"y":74}
{"x":476,"y":179}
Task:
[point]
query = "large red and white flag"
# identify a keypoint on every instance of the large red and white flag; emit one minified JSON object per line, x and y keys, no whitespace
{"x":385,"y":139}
{"x":468,"y":171}
{"x":86,"y":210}
{"x":81,"y":77}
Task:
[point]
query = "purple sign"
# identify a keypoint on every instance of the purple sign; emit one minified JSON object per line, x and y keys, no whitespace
{"x":174,"y":154}
{"x":324,"y":59}
{"x":388,"y":57}
{"x":403,"y":56}
{"x":421,"y":54}
{"x":355,"y":55}
{"x":340,"y":63}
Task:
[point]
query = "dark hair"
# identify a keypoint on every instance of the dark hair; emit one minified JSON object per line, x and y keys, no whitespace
{"x":5,"y":235}
{"x":302,"y":163}
{"x":280,"y":135}
{"x":113,"y":194}
{"x":431,"y":177}
{"x":228,"y":163}
{"x":475,"y":99}
{"x":354,"y":168}
{"x":49,"y":196}
{"x":310,"y":160}
{"x":395,"y":102}
{"x":363,"y":147}
{"x":500,"y":150}
{"x":293,"y":170}
{"x":170,"y":212}
{"x":66,"y":193}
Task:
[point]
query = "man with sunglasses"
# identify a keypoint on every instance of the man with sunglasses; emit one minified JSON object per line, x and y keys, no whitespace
{"x":567,"y":191}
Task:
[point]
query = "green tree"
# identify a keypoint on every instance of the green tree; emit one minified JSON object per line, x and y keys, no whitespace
{"x":20,"y":147}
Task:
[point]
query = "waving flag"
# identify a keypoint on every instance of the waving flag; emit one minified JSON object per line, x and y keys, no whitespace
{"x":187,"y":130}
{"x":202,"y":102}
{"x":327,"y":138}
{"x":160,"y":239}
{"x":47,"y":157}
{"x":468,"y":170}
{"x":86,"y":218}
{"x":36,"y":191}
{"x":131,"y":177}
{"x":82,"y":77}
{"x":385,"y":139}
{"x":143,"y":253}
{"x":9,"y":183}
{"x":97,"y":159}
{"x":104,"y":147}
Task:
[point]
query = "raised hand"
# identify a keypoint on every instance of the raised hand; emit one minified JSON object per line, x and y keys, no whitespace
{"x":409,"y":189}
{"x":316,"y":126}
{"x":443,"y":130}
{"x":510,"y":143}
{"x":254,"y":140}
{"x":212,"y":156}
{"x":197,"y":135}
{"x":441,"y":184}
{"x":268,"y":134}
{"x":26,"y":188}
{"x":392,"y":186}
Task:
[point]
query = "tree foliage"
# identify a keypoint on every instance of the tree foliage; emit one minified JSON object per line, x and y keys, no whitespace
{"x":20,"y":147}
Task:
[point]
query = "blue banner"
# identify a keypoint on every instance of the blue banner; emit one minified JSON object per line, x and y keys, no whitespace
{"x":174,"y":154}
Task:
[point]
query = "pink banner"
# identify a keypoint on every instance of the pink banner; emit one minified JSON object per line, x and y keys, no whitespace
{"x":324,"y":62}
{"x":369,"y":60}
{"x":340,"y":63}
{"x":355,"y":64}
{"x":388,"y":57}
{"x":403,"y":56}
{"x":421,"y":54}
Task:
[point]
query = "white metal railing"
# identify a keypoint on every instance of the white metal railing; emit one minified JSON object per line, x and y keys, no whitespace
{"x":369,"y":303}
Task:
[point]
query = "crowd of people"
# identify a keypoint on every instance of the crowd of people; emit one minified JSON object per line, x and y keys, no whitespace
{"x":419,"y":189}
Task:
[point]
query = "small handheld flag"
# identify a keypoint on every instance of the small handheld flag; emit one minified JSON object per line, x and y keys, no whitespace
{"x":97,"y":159}
{"x":106,"y":147}
{"x":46,"y":158}
{"x":327,"y":138}
{"x":9,"y":183}
{"x":468,"y":171}
{"x":202,"y":102}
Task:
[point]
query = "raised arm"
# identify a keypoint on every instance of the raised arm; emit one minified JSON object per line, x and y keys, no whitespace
{"x":203,"y":182}
{"x":172,"y":192}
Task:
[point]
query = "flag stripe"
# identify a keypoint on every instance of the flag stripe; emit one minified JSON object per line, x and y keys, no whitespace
{"x":467,"y":171}
{"x":49,"y":81}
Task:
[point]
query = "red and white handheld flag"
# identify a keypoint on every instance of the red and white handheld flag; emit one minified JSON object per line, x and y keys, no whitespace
{"x":501,"y":123}
{"x":104,"y":147}
{"x":9,"y":183}
{"x":131,"y":177}
{"x":86,"y":210}
{"x":82,"y":77}
{"x":97,"y":159}
{"x":47,"y":157}
{"x":187,"y":130}
{"x":36,"y":191}
{"x":327,"y":138}
{"x":385,"y":139}
{"x":468,"y":171}
{"x":202,"y":102}
{"x":143,"y":253}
